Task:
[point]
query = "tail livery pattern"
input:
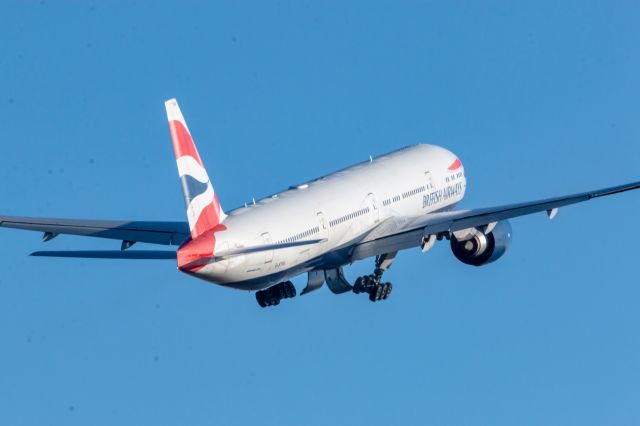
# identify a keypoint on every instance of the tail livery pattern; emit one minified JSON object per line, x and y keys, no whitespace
{"x":203,"y":208}
{"x":204,"y":212}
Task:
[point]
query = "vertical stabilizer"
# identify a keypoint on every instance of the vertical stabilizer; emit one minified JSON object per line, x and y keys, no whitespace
{"x":203,"y":208}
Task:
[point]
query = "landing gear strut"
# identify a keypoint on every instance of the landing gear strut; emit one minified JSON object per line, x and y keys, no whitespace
{"x":273,"y":295}
{"x":372,"y":284}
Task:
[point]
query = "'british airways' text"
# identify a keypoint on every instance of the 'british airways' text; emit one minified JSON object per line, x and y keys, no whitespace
{"x":441,"y":195}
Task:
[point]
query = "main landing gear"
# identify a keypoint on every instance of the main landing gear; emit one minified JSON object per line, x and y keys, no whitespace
{"x":272,"y":295}
{"x":372,"y":284}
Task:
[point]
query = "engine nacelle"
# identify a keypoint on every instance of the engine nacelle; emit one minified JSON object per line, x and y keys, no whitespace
{"x":481,"y":248}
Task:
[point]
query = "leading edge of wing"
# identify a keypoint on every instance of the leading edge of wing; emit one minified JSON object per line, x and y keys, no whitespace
{"x":462,"y":219}
{"x":167,"y":233}
{"x":110,"y":254}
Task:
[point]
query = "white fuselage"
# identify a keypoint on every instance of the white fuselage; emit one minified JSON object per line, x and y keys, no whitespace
{"x":339,"y":208}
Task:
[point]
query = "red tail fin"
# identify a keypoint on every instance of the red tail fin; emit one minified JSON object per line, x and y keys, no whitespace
{"x":203,"y":208}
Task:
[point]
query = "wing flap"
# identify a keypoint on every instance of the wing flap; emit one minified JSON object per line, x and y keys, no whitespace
{"x":387,"y":244}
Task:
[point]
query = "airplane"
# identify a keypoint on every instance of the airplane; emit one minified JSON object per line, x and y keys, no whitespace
{"x":401,"y":200}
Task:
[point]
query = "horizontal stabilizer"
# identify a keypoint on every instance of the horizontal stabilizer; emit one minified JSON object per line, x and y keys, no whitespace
{"x":110,"y":254}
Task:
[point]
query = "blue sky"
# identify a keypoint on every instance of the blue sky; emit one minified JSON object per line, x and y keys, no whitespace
{"x":537,"y":99}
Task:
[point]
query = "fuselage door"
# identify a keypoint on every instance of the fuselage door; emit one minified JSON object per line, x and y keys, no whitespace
{"x":322,"y":226}
{"x":268,"y":254}
{"x":428,"y":180}
{"x":323,"y":234}
{"x":372,"y":204}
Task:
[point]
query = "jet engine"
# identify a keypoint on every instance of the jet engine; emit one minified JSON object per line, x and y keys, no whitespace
{"x":480,"y":246}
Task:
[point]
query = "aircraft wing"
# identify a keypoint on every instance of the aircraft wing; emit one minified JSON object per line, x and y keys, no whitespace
{"x":401,"y":234}
{"x":166,"y":233}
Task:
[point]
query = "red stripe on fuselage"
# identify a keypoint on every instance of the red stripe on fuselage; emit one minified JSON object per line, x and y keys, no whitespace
{"x":182,"y":141}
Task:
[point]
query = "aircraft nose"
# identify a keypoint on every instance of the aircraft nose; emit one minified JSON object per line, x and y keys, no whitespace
{"x":455,"y":165}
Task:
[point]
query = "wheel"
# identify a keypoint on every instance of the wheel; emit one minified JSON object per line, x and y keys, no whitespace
{"x":388,"y":288}
{"x":292,"y":290}
{"x":358,"y":286}
{"x":260,"y":299}
{"x":376,"y":293}
{"x":379,"y":291}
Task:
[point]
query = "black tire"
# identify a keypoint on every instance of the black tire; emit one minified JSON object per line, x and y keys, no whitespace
{"x":260,"y":299}
{"x":388,"y":288}
{"x":358,"y":286}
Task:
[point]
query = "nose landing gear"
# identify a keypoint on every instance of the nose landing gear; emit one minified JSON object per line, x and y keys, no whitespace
{"x":272,"y":295}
